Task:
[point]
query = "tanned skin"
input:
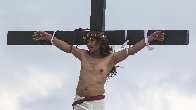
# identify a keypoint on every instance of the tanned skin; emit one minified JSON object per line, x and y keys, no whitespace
{"x":94,"y":67}
{"x":94,"y":71}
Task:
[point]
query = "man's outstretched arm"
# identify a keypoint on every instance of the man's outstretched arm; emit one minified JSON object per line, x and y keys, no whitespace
{"x":140,"y":45}
{"x":122,"y":55}
{"x":41,"y":35}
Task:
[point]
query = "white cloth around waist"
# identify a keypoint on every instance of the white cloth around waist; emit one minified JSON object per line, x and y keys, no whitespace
{"x":89,"y":105}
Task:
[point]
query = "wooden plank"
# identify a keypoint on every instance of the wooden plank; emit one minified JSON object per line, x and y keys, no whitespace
{"x":97,"y":18}
{"x":116,"y":37}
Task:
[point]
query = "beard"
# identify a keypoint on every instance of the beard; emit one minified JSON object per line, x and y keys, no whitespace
{"x":91,"y":51}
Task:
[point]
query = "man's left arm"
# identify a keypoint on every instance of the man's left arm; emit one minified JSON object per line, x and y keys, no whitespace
{"x":140,"y":45}
{"x":122,"y":55}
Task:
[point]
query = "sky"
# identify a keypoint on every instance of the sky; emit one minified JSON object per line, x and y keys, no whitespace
{"x":45,"y":78}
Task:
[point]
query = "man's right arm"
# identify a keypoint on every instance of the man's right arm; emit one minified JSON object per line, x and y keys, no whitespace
{"x":59,"y":43}
{"x":66,"y":47}
{"x":41,"y":35}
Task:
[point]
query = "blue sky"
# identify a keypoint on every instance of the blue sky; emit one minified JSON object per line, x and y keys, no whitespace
{"x":45,"y":78}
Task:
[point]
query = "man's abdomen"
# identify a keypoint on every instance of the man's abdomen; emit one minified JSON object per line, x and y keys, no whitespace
{"x":87,"y":90}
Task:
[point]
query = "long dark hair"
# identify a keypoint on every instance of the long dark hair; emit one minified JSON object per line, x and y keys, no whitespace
{"x":106,"y":50}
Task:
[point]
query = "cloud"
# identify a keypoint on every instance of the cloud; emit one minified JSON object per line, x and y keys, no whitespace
{"x":165,"y":97}
{"x":29,"y":86}
{"x":137,"y":86}
{"x":8,"y":100}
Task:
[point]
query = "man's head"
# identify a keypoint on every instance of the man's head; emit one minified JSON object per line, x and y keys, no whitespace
{"x":98,"y":42}
{"x":94,"y":47}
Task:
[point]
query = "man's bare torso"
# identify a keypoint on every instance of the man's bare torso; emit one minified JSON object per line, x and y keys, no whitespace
{"x":93,"y":75}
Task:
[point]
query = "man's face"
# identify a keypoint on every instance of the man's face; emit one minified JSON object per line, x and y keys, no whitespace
{"x":91,"y":44}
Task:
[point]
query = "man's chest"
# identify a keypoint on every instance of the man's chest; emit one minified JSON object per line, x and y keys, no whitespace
{"x":96,"y":66}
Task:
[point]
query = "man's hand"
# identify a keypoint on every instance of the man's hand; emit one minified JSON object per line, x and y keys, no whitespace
{"x":157,"y":36}
{"x":41,"y":35}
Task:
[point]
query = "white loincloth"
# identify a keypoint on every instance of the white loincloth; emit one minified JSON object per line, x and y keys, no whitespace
{"x":89,"y":105}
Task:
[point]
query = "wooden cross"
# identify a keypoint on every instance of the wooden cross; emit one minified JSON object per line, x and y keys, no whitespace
{"x":97,"y":23}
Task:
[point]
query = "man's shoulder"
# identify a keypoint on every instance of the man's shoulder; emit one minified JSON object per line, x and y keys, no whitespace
{"x":84,"y":53}
{"x":78,"y":53}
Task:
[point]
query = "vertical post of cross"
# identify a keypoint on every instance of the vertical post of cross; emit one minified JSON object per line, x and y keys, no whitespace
{"x":97,"y":18}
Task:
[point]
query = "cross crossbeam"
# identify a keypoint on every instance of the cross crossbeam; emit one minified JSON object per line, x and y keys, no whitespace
{"x":117,"y":37}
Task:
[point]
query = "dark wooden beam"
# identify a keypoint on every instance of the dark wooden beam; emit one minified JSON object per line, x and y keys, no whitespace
{"x":116,"y":37}
{"x":97,"y":18}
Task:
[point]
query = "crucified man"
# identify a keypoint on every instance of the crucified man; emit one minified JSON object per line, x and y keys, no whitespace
{"x":97,"y":64}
